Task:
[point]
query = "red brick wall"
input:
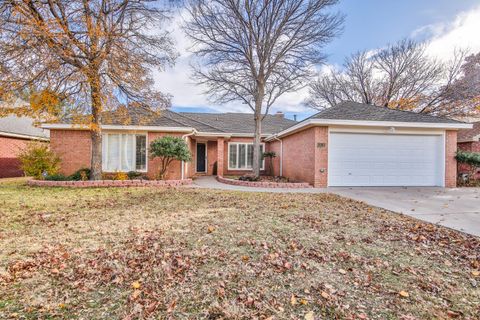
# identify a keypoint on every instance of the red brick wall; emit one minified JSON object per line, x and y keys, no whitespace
{"x":174,"y":171}
{"x":299,"y":156}
{"x":74,"y":147}
{"x":9,"y":163}
{"x":321,"y":157}
{"x":220,"y":156}
{"x":190,"y":166}
{"x":450,"y":162}
{"x":275,"y":147}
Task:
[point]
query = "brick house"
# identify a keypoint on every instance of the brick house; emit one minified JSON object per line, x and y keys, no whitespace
{"x":347,"y":145}
{"x":15,"y":134}
{"x":469,"y":140}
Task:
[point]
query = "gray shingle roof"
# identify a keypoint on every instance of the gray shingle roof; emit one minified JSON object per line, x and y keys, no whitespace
{"x":241,"y":122}
{"x":21,"y":126}
{"x":202,"y":122}
{"x":139,"y":116}
{"x":367,"y":112}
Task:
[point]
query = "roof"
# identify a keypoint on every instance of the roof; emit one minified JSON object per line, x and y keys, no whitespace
{"x":141,"y":116}
{"x":368,"y":112}
{"x":228,"y":123}
{"x":465,"y":135}
{"x":241,"y":122}
{"x":21,"y":127}
{"x":358,"y":114}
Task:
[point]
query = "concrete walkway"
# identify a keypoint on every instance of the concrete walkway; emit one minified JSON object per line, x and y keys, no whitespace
{"x":456,"y":208}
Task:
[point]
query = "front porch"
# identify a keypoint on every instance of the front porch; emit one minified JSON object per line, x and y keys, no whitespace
{"x":220,"y":156}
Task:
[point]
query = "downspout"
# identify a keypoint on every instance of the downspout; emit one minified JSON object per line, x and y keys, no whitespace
{"x":281,"y":154}
{"x":184,"y":137}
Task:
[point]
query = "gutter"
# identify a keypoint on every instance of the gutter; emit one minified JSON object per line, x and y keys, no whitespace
{"x":22,"y":136}
{"x":118,"y":127}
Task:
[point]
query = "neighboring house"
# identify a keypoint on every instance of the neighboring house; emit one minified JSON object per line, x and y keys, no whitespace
{"x":348,"y":145}
{"x":469,"y":140}
{"x":15,"y":134}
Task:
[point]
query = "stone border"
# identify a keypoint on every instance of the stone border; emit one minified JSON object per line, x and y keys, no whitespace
{"x":262,"y":184}
{"x":110,"y":183}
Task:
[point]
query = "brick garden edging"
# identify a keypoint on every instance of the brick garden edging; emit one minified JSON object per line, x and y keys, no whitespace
{"x":110,"y":183}
{"x":264,"y":184}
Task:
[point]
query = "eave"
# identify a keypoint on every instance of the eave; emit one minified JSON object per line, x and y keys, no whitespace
{"x":330,"y":122}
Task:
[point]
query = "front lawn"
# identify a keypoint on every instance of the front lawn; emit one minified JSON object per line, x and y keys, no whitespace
{"x":191,"y":253}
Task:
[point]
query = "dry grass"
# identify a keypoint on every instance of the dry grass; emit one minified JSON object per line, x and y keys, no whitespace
{"x":189,"y":253}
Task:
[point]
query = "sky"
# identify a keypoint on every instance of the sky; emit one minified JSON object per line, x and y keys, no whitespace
{"x":369,"y":25}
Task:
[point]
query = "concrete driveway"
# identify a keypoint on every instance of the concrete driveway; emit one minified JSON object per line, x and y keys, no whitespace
{"x":457,"y":208}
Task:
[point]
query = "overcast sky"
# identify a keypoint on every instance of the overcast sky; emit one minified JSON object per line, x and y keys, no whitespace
{"x":370,"y":24}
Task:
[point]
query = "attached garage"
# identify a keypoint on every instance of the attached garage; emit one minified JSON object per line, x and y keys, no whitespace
{"x":359,"y":159}
{"x":362,"y":145}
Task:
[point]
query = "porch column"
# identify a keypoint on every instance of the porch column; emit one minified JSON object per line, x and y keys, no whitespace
{"x":220,"y":144}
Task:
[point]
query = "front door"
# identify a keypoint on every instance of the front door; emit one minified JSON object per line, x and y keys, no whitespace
{"x":201,"y":157}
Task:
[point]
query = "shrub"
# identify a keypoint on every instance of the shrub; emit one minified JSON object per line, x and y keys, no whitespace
{"x":249,"y":177}
{"x":80,"y":175}
{"x":120,"y":176}
{"x":37,"y":160}
{"x":57,"y":177}
{"x":169,"y":149}
{"x":134,"y":175}
{"x":470,"y":158}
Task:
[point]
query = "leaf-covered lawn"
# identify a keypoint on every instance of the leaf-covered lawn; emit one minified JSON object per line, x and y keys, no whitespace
{"x":191,"y":253}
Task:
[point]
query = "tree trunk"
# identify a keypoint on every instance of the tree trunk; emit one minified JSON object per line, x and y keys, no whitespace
{"x":258,"y":129}
{"x":95,"y":131}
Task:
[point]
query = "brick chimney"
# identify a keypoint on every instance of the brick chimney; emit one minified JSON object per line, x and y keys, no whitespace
{"x":280,"y":114}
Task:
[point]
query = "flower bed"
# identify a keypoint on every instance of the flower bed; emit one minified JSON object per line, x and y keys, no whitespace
{"x":263,"y":184}
{"x":110,"y":183}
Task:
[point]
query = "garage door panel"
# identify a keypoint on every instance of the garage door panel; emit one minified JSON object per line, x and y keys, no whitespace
{"x":385,"y":160}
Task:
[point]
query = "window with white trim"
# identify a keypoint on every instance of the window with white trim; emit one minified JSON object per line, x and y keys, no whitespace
{"x":124,"y":152}
{"x":240,"y":156}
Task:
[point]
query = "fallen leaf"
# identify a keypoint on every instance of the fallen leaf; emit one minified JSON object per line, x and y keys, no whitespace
{"x":136,"y":294}
{"x":210,"y":229}
{"x":404,"y":294}
{"x":310,"y":316}
{"x":172,"y":306}
{"x":453,"y":314}
{"x":293,"y":300}
{"x":245,"y":258}
{"x":342,"y":271}
{"x":475,"y":273}
{"x":136,"y":285}
{"x":303,"y":302}
{"x":325,"y":295}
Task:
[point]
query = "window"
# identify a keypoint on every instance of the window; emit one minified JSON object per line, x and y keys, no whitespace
{"x":124,"y":152}
{"x":240,"y":156}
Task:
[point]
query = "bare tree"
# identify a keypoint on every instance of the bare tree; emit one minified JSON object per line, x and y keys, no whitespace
{"x":254,"y":51}
{"x":463,"y":94}
{"x":401,"y":76}
{"x":91,"y":55}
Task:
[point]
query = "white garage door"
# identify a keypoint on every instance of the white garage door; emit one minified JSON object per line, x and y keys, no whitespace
{"x":385,"y":160}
